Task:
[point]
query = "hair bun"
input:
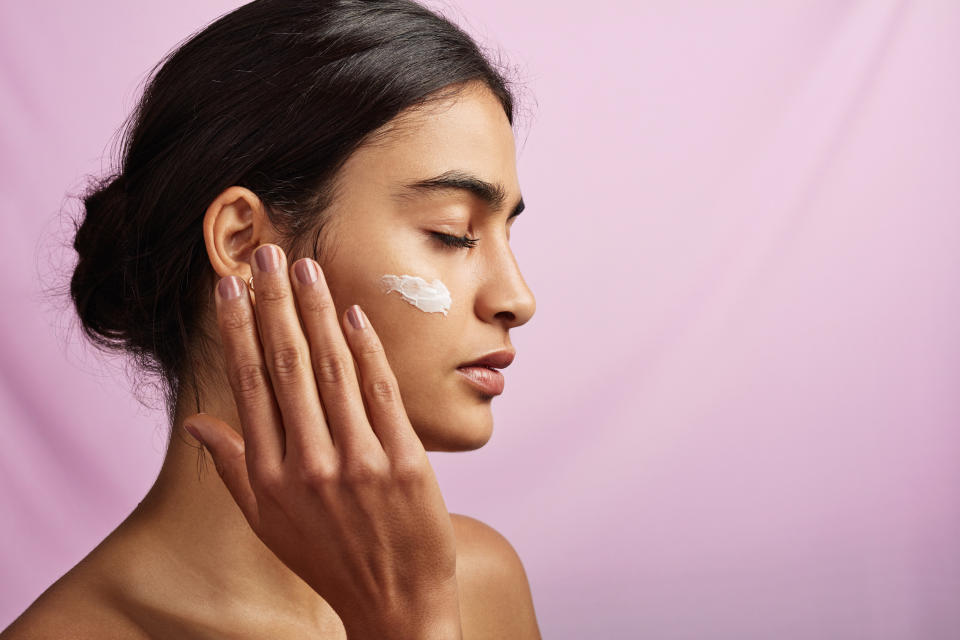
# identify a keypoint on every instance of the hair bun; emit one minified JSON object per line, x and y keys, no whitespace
{"x":99,"y":286}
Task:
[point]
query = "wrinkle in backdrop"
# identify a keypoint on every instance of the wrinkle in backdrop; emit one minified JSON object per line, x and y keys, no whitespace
{"x":734,"y":414}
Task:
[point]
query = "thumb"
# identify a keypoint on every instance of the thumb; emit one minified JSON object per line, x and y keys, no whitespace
{"x":227,"y":449}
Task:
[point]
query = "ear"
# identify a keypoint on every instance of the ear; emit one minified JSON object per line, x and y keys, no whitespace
{"x":235,"y":224}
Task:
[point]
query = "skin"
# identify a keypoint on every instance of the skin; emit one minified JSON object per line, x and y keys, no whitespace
{"x":162,"y":573}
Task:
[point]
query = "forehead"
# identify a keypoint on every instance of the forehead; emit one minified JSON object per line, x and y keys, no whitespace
{"x":467,"y":132}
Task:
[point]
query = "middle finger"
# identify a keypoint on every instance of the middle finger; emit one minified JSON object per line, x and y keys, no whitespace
{"x":333,"y":364}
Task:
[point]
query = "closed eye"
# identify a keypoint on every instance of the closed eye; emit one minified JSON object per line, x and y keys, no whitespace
{"x":459,"y":242}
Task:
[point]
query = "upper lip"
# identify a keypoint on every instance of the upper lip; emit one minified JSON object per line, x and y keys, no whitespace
{"x":495,"y":360}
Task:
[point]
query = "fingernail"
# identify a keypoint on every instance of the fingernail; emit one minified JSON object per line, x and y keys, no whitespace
{"x":355,"y":316}
{"x":229,"y":287}
{"x":268,"y":258}
{"x":192,"y":430}
{"x":306,"y":271}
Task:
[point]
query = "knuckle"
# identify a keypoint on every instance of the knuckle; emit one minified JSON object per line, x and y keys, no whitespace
{"x":370,"y":348}
{"x":383,"y":390}
{"x":316,"y":304}
{"x":234,"y":319}
{"x":409,"y":468}
{"x":249,"y":378}
{"x":318,"y":473}
{"x":266,"y":481}
{"x":287,"y":362}
{"x":364,"y":470}
{"x":271,"y":294}
{"x":330,"y":368}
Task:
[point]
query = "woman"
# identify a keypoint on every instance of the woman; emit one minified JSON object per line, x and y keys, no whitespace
{"x":307,"y":241}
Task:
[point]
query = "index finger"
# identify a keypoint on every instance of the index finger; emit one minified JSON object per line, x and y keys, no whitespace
{"x":248,"y":377}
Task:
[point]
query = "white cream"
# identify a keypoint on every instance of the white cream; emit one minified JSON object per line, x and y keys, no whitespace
{"x":432,"y":297}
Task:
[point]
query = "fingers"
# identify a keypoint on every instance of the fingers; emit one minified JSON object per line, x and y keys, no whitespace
{"x":333,"y":365}
{"x":247,"y":374}
{"x":290,"y":362}
{"x":226,"y":447}
{"x":380,"y":389}
{"x":287,"y":356}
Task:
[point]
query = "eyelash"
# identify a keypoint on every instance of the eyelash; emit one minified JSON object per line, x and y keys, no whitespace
{"x":460,"y":242}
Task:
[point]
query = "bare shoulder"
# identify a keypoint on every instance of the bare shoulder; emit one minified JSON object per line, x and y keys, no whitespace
{"x":75,"y":606}
{"x":495,"y":599}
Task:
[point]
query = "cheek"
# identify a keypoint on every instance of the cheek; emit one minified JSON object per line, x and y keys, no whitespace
{"x":429,"y":297}
{"x":415,"y":337}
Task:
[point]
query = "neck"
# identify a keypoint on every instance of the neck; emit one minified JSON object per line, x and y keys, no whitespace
{"x":190,"y":514}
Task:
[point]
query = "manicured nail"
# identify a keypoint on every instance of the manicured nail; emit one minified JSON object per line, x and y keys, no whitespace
{"x":192,"y":430}
{"x":229,"y":287}
{"x":268,"y":258}
{"x":355,"y":316}
{"x":306,"y":271}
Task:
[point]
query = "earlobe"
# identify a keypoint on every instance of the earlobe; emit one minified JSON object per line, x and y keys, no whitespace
{"x":233,"y":227}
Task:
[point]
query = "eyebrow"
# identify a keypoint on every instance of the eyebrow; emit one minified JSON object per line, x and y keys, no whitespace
{"x":493,"y":194}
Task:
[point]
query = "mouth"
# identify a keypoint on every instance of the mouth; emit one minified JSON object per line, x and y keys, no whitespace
{"x":487,"y":380}
{"x":482,"y":372}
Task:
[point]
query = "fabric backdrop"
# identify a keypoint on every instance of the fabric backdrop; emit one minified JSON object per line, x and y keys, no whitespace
{"x":735,"y":413}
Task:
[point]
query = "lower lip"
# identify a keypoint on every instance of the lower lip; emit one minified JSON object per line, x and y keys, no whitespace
{"x":490,"y":381}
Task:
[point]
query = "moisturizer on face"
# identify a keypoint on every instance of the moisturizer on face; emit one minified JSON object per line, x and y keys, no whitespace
{"x":432,"y":297}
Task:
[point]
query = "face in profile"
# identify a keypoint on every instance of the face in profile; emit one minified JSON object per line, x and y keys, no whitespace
{"x":394,"y":200}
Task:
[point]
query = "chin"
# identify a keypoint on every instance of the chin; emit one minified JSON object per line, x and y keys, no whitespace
{"x":450,"y":418}
{"x":463,"y":437}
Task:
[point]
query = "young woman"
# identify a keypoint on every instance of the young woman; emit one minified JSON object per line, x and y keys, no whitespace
{"x":308,"y":242}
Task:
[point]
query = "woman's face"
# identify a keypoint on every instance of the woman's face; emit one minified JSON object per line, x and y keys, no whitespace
{"x":381,"y":226}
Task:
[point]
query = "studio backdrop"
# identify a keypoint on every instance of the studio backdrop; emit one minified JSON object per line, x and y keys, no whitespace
{"x":736,"y":411}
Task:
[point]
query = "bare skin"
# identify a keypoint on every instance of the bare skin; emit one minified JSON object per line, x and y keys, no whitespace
{"x":186,"y":563}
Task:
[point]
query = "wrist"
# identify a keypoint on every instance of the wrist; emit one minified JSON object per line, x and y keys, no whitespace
{"x":436,"y":619}
{"x":445,"y":627}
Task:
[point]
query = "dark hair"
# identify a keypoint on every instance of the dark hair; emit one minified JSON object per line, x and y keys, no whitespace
{"x":274,"y":97}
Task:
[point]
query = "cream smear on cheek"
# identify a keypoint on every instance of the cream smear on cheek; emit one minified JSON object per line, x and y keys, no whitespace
{"x":431,"y":297}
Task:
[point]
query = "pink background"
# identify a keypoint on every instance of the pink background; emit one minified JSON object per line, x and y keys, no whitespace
{"x":735,"y":413}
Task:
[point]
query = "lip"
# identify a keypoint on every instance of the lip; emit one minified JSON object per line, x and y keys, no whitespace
{"x":495,"y":360}
{"x":482,"y":373}
{"x":487,"y":380}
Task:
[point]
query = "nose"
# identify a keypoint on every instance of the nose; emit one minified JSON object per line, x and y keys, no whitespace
{"x":504,"y":296}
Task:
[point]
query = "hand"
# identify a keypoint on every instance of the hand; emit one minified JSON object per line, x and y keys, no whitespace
{"x":347,"y":500}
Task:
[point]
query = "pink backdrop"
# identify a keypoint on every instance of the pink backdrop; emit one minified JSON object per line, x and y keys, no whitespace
{"x":735,"y":413}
